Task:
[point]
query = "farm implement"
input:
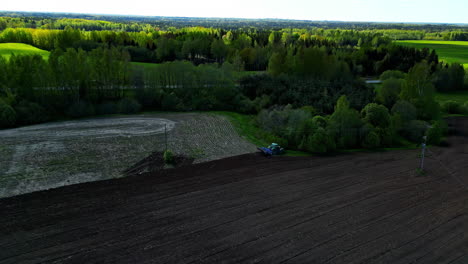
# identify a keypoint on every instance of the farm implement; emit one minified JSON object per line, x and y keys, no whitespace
{"x":273,"y":149}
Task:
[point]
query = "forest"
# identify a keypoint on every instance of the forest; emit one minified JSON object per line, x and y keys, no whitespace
{"x":305,"y":82}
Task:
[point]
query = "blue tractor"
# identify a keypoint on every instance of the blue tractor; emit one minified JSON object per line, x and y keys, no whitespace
{"x":273,"y":149}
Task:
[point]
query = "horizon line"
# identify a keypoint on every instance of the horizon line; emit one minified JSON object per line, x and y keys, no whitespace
{"x":266,"y":18}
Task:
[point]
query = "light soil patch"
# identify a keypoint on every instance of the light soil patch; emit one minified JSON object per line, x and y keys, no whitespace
{"x":55,"y":154}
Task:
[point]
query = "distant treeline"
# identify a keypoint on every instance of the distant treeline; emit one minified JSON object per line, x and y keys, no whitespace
{"x":138,"y":23}
{"x":366,"y":53}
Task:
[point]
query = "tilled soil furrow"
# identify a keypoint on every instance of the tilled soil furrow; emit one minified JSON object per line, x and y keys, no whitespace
{"x":332,"y":221}
{"x":359,"y":208}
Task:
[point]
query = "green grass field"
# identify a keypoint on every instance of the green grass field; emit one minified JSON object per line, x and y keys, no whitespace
{"x":448,"y":51}
{"x":459,"y":96}
{"x":7,"y":49}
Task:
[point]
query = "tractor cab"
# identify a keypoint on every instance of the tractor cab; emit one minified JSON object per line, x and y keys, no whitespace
{"x":273,"y":149}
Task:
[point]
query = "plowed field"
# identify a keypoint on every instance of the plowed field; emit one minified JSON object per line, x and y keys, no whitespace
{"x":356,"y":208}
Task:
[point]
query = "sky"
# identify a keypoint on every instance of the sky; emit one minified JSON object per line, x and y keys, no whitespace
{"x":436,"y":11}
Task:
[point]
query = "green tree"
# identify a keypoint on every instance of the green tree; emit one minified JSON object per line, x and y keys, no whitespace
{"x":392,"y":74}
{"x":436,"y":133}
{"x":218,"y":50}
{"x":376,"y":115}
{"x":238,"y":63}
{"x":276,"y":64}
{"x":345,"y":123}
{"x":419,"y":90}
{"x":457,"y":76}
{"x":389,"y":92}
{"x":418,"y":83}
{"x":320,"y":141}
{"x":405,"y":110}
{"x":228,"y":38}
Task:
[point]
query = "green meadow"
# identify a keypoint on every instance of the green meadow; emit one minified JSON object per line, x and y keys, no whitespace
{"x":458,"y":96}
{"x":448,"y":51}
{"x":7,"y":49}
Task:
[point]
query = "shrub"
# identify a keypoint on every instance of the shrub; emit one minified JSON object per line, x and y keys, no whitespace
{"x":320,"y":121}
{"x":129,"y":106}
{"x":318,"y":142}
{"x":295,"y":118}
{"x":406,"y":110}
{"x":452,"y":107}
{"x":427,"y":109}
{"x":387,"y":136}
{"x":389,"y":93}
{"x":107,"y":108}
{"x":376,"y":115}
{"x":148,"y":97}
{"x":284,"y":122}
{"x":30,"y":113}
{"x":168,"y":157}
{"x":261,"y":102}
{"x":80,"y":109}
{"x":310,"y":109}
{"x":7,"y":116}
{"x":246,"y":106}
{"x":415,"y":130}
{"x":372,"y":140}
{"x":169,"y":102}
{"x":437,"y":132}
{"x":392,"y":74}
{"x":275,"y":139}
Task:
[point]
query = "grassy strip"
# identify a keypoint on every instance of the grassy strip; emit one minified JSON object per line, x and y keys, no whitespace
{"x":458,"y":96}
{"x":245,"y":126}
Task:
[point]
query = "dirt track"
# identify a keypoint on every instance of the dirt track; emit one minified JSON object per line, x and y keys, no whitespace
{"x":359,"y":208}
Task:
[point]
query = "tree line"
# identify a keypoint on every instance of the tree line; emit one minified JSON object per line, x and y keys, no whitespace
{"x":37,"y":19}
{"x":403,"y":111}
{"x":305,"y":85}
{"x":366,"y":53}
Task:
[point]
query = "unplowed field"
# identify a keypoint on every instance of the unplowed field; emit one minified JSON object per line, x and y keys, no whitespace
{"x":55,"y":154}
{"x":359,"y":208}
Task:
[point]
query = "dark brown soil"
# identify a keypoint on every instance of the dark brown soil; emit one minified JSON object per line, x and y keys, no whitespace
{"x":356,"y":208}
{"x":155,"y":163}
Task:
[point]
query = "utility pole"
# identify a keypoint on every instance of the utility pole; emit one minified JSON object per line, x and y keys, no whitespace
{"x":165,"y":137}
{"x":423,"y":145}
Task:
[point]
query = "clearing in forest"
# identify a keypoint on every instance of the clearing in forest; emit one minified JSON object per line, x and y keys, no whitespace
{"x":7,"y":49}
